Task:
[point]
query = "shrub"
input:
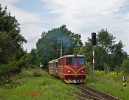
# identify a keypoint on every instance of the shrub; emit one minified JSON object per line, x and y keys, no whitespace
{"x":88,"y":68}
{"x":12,"y":66}
{"x":125,"y":66}
{"x":99,"y":73}
{"x":106,"y":68}
{"x":117,"y":69}
{"x":37,"y":72}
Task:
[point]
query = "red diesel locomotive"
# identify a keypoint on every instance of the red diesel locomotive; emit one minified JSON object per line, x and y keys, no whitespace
{"x":69,"y":68}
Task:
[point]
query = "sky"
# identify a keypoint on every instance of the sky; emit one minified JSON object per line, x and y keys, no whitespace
{"x":80,"y":16}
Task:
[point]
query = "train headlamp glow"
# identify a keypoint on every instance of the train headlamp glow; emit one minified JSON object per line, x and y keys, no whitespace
{"x":69,"y":71}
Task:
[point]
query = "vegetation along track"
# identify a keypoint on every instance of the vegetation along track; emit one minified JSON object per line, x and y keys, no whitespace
{"x":93,"y":94}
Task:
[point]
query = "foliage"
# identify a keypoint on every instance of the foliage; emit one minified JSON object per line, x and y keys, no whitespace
{"x":116,"y":77}
{"x":48,"y":47}
{"x":106,"y":68}
{"x":31,"y":59}
{"x":125,"y":66}
{"x":107,"y":51}
{"x":88,"y":68}
{"x":117,"y":69}
{"x":10,"y":42}
{"x":37,"y":72}
{"x":107,"y":83}
{"x":99,"y":73}
{"x":6,"y":68}
{"x":47,"y":87}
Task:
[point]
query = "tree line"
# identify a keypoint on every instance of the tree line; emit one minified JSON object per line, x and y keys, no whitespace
{"x":108,"y":53}
{"x":11,"y":51}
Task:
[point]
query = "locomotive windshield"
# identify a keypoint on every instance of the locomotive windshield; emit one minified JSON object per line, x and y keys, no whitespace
{"x":81,"y":61}
{"x":69,"y":61}
{"x":75,"y":61}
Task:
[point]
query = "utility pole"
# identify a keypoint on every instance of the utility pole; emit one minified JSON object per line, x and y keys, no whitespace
{"x":61,"y":50}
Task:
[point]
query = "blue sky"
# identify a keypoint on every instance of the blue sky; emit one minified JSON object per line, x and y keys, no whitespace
{"x":30,"y":6}
{"x":80,"y":16}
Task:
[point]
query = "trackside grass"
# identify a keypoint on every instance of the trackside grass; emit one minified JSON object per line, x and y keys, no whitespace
{"x":109,"y":83}
{"x":45,"y":87}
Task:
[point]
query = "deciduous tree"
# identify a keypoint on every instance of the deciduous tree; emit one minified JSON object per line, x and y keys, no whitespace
{"x":48,"y":47}
{"x":107,"y":51}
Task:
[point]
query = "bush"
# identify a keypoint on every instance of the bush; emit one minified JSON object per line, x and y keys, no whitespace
{"x":37,"y":72}
{"x":99,"y":73}
{"x":117,"y":69}
{"x":7,"y":68}
{"x":125,"y":66}
{"x":106,"y":68}
{"x":88,"y":68}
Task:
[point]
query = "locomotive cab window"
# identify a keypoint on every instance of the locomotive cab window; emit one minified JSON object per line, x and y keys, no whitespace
{"x":69,"y":61}
{"x":81,"y":61}
{"x":75,"y":61}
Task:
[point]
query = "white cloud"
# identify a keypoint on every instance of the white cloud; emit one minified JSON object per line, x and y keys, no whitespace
{"x":30,"y":23}
{"x":6,"y":2}
{"x":80,"y":16}
{"x":86,"y":16}
{"x":21,"y":15}
{"x":32,"y":32}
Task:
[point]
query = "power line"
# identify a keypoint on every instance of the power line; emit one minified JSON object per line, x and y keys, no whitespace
{"x":120,"y":30}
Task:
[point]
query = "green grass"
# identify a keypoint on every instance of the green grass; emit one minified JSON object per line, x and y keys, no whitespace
{"x":109,"y":86}
{"x":48,"y":87}
{"x":45,"y":87}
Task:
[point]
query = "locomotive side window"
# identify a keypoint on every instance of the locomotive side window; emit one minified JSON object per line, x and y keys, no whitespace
{"x":69,"y":61}
{"x":81,"y":61}
{"x":75,"y":61}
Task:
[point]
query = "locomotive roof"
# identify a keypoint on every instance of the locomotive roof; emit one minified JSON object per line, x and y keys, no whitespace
{"x":73,"y":56}
{"x":55,"y":60}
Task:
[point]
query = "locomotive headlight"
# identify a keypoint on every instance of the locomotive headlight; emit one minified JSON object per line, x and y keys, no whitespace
{"x":69,"y":71}
{"x":82,"y":71}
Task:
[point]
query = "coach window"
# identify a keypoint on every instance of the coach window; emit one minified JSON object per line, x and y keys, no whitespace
{"x":81,"y":61}
{"x":50,"y":64}
{"x":61,"y":61}
{"x":68,"y":61}
{"x":53,"y":64}
{"x":56,"y":64}
{"x":75,"y":61}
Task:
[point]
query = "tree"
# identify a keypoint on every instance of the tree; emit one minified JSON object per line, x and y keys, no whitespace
{"x":11,"y":42}
{"x":31,"y":59}
{"x":10,"y":39}
{"x":48,"y":47}
{"x":107,"y":51}
{"x":125,"y":66}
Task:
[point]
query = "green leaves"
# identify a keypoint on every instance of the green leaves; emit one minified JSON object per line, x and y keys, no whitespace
{"x":48,"y":47}
{"x":125,"y":66}
{"x":107,"y":51}
{"x":10,"y":42}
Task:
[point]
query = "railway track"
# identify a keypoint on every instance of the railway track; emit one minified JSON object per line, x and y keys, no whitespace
{"x":92,"y":94}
